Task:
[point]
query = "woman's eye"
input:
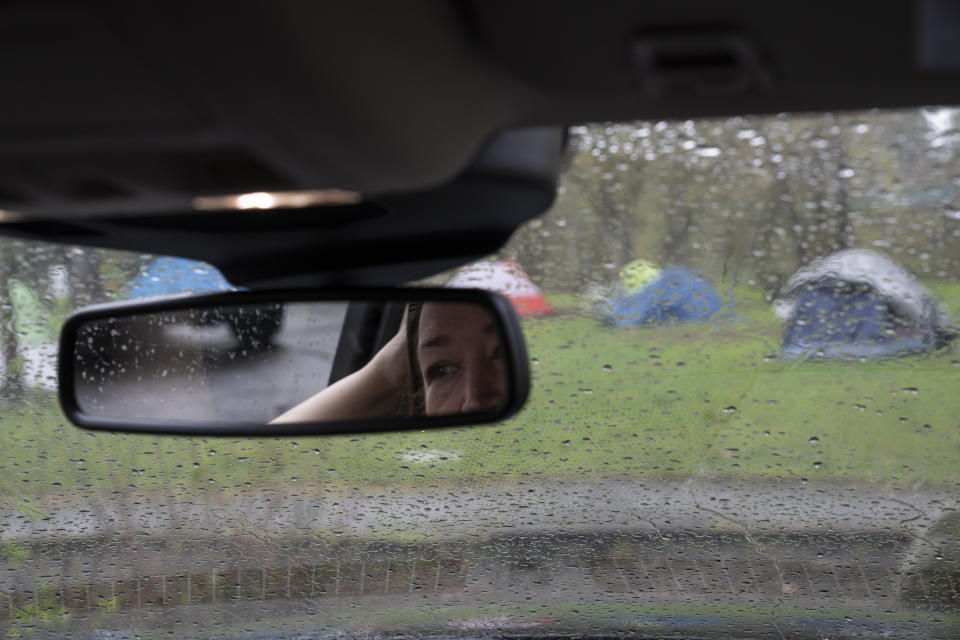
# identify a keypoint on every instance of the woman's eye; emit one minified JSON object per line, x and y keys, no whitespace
{"x":440,"y":370}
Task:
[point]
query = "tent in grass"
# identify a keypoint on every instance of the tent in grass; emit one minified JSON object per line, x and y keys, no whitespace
{"x":650,"y":295}
{"x":857,"y":303}
{"x":508,"y":278}
{"x":168,"y":275}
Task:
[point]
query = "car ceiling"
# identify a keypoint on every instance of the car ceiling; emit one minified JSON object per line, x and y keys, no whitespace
{"x":447,"y":116}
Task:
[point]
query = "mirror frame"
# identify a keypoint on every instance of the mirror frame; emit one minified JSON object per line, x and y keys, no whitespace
{"x":513,"y":348}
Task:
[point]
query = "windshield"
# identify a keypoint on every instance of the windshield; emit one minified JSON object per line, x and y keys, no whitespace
{"x":743,"y":423}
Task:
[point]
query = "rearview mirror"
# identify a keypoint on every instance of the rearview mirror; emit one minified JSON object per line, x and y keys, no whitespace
{"x":294,"y":362}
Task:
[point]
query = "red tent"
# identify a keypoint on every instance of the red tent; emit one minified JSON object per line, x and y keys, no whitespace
{"x":508,"y":278}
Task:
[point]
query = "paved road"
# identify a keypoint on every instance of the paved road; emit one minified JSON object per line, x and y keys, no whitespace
{"x":437,"y":513}
{"x":703,"y":541}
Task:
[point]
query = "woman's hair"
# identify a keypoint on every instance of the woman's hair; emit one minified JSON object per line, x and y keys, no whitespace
{"x":416,"y":402}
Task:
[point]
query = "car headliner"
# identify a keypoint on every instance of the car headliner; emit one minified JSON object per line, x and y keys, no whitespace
{"x":447,"y":116}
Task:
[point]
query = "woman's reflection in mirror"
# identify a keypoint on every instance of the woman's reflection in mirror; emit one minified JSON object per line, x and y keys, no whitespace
{"x":444,"y":360}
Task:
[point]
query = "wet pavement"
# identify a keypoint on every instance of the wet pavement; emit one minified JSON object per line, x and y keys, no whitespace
{"x":218,"y":583}
{"x":453,"y":511}
{"x":236,"y":557}
{"x":190,"y":372}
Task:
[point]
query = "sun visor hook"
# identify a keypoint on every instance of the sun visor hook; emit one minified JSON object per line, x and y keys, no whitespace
{"x":698,"y":63}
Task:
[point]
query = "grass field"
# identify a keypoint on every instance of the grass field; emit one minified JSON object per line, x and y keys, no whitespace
{"x":669,"y":401}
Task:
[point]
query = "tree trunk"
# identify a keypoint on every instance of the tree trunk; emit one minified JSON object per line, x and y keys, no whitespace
{"x":12,"y":389}
{"x":86,"y":286}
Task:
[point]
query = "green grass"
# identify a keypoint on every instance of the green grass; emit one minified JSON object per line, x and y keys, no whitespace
{"x":637,"y":616}
{"x":714,"y":400}
{"x":670,"y":401}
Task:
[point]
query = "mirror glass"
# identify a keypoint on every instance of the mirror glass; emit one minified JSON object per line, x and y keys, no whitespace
{"x":293,"y":362}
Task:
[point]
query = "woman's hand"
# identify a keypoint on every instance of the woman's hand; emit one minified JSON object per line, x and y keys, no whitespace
{"x":391,"y":365}
{"x":383,"y":388}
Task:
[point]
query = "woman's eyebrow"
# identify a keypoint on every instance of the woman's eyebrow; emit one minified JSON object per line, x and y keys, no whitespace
{"x":436,"y":341}
{"x":442,"y":339}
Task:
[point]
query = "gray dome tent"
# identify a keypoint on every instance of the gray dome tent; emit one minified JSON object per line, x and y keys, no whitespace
{"x":857,"y":303}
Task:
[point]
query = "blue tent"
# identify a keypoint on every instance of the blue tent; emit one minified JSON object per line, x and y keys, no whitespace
{"x":835,"y":318}
{"x":167,"y":275}
{"x":677,"y":295}
{"x":253,"y":326}
{"x":857,"y":303}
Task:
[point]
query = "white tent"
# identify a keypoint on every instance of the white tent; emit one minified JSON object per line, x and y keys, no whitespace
{"x":508,"y":278}
{"x":858,"y":303}
{"x":901,"y":289}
